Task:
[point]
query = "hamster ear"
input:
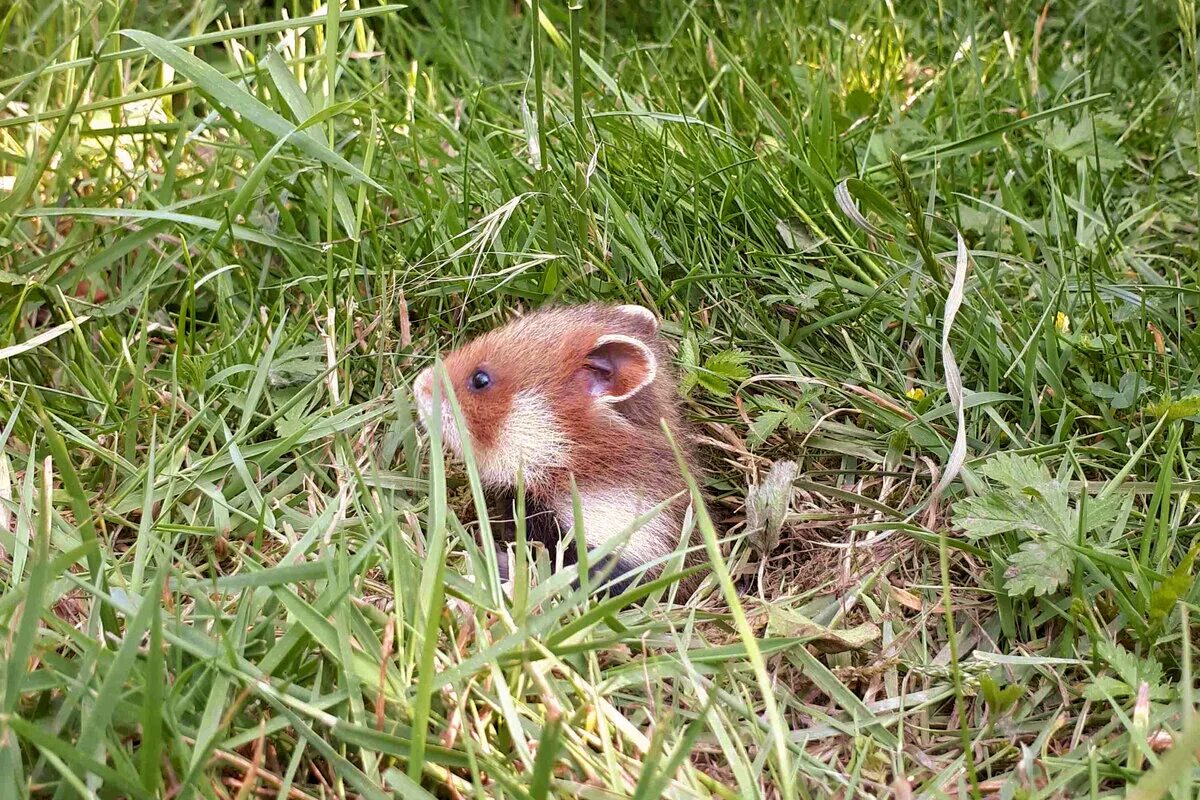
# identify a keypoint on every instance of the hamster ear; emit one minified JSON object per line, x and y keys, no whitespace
{"x":618,"y":367}
{"x":642,"y":314}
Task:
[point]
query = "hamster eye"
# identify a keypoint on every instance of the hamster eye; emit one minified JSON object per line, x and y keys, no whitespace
{"x":480,"y":380}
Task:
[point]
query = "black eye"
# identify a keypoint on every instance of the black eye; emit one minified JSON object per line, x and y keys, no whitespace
{"x":480,"y":380}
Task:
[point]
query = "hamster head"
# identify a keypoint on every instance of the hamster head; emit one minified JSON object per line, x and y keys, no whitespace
{"x":570,"y":390}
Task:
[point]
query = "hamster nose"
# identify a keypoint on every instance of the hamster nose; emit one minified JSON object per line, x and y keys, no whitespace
{"x":423,"y":385}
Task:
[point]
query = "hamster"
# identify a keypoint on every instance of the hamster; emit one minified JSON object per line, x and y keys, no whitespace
{"x":575,"y":391}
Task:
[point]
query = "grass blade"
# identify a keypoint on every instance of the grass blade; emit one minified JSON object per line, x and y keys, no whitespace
{"x":230,"y":96}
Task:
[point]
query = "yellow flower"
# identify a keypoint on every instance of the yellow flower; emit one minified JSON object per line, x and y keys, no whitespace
{"x":916,"y":394}
{"x":1063,"y":323}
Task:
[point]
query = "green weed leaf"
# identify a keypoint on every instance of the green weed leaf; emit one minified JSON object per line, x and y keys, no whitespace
{"x":1129,"y":389}
{"x":795,"y":418}
{"x":720,"y":372}
{"x":1088,"y":140}
{"x":1029,"y":502}
{"x":764,"y":425}
{"x":1039,"y":567}
{"x":999,"y":701}
{"x":729,"y":364}
{"x":989,"y":515}
{"x":689,"y":361}
{"x":810,"y":297}
{"x":1016,"y":472}
{"x":1131,"y":671}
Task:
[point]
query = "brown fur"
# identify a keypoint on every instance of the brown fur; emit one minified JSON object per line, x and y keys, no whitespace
{"x":608,"y":446}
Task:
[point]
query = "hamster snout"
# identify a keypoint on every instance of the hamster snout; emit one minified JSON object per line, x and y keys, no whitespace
{"x":423,"y":394}
{"x":423,"y":391}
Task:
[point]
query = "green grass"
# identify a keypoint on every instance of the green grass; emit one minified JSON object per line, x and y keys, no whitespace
{"x":230,"y":565}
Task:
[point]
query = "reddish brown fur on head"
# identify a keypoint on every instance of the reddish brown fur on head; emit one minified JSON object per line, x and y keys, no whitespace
{"x":578,"y":390}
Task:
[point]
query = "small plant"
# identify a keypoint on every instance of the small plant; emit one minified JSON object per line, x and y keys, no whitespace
{"x":767,"y":505}
{"x":717,"y":374}
{"x":807,"y":299}
{"x":1131,"y":387}
{"x":1029,"y":502}
{"x":1090,"y":140}
{"x":796,"y":417}
{"x":1131,"y":671}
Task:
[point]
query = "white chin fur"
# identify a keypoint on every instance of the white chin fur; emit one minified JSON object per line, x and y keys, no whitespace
{"x":531,"y":440}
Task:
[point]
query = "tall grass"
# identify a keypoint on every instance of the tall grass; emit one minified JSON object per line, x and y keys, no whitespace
{"x":231,"y":234}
